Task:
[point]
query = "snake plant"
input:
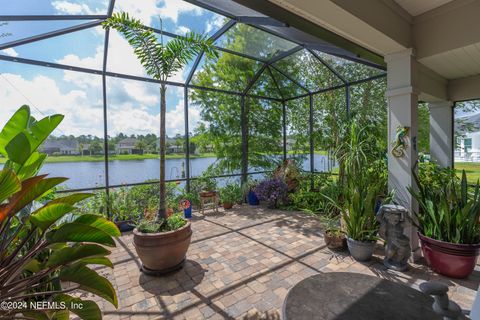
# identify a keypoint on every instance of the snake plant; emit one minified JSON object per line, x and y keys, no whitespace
{"x":450,"y":212}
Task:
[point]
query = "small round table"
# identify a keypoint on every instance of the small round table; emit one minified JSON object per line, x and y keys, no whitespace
{"x":353,"y":296}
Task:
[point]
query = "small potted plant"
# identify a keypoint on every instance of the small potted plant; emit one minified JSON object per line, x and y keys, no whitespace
{"x":122,"y":209}
{"x":358,"y":214}
{"x":207,"y":186}
{"x":335,"y":237}
{"x":186,"y":206}
{"x":249,"y":192}
{"x":272,"y":191}
{"x":448,"y":222}
{"x":229,"y":195}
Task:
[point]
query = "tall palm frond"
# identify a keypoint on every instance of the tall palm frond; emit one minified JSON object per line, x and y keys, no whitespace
{"x":160,"y":61}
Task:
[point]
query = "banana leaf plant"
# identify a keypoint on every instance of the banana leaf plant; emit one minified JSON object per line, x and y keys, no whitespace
{"x":41,"y":258}
{"x":449,"y":213}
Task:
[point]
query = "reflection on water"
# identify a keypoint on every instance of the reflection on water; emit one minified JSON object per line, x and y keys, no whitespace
{"x":91,"y":174}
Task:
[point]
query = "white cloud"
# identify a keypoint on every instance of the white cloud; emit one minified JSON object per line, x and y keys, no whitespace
{"x":173,"y":8}
{"x":71,"y":7}
{"x":83,"y":110}
{"x":147,"y":10}
{"x":121,"y":58}
{"x":133,"y":121}
{"x":10,"y":52}
{"x":175,"y":121}
{"x":215,"y":23}
{"x":133,"y":105}
{"x":94,"y":62}
{"x":181,"y":30}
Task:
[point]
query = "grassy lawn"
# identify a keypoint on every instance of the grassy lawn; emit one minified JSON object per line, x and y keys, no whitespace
{"x":56,"y":159}
{"x":323,"y":153}
{"x":472,"y":170}
{"x":98,"y":158}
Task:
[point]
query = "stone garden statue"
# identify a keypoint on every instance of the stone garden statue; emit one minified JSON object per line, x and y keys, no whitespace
{"x":392,"y":220}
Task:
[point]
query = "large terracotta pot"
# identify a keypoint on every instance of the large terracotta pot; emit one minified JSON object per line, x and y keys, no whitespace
{"x":162,"y":252}
{"x":450,"y":259}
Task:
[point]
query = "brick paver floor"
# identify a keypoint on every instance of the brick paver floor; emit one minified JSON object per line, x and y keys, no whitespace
{"x":241,"y":264}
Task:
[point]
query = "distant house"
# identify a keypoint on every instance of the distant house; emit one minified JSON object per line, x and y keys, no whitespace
{"x":63,"y":147}
{"x":290,"y":143}
{"x":128,"y":146}
{"x":175,"y":149}
{"x":171,"y":146}
{"x":467,"y":147}
{"x":209,"y":148}
{"x":68,"y":147}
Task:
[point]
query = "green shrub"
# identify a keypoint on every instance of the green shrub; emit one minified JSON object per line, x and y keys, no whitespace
{"x":231,"y":193}
{"x":434,"y":177}
{"x":312,"y":201}
{"x":131,"y":202}
{"x":200,"y":184}
{"x":205,"y":183}
{"x":173,"y":222}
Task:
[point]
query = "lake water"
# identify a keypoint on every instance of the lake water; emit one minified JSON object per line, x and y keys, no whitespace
{"x":92,"y":174}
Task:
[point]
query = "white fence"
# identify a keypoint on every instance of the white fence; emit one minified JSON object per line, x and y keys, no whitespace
{"x":467,"y":156}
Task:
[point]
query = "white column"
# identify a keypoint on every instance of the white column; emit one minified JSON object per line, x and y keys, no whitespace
{"x":402,"y":96}
{"x":441,"y":132}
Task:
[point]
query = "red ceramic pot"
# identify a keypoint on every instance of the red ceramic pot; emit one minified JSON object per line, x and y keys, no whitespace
{"x":450,"y":259}
{"x":227,"y":205}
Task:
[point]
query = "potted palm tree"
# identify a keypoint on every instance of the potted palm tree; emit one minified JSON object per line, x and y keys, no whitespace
{"x":161,"y":61}
{"x":448,"y":222}
{"x":365,"y":181}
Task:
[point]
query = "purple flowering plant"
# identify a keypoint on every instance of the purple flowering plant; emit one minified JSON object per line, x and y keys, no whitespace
{"x":271,"y":191}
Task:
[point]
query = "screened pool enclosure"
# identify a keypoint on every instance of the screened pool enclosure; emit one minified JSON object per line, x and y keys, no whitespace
{"x":266,"y":98}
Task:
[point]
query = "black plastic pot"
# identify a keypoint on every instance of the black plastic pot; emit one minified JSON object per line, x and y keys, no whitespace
{"x":125,"y":226}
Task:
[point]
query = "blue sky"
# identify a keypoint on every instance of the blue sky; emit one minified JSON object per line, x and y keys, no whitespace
{"x":133,"y":106}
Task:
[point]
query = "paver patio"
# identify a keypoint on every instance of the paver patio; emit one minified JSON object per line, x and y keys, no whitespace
{"x":241,"y":264}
